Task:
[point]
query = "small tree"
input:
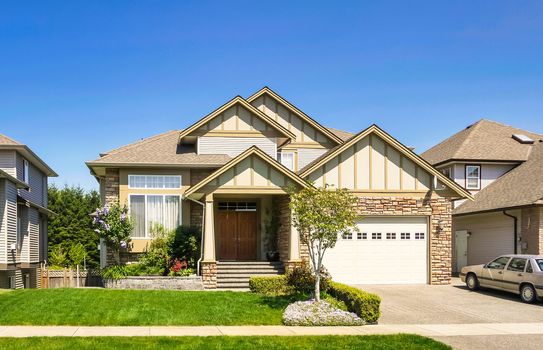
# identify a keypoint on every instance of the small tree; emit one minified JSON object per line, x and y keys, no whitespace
{"x":320,"y":215}
{"x":114,"y":226}
{"x":77,"y":254}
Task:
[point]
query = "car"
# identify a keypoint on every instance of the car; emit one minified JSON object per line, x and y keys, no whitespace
{"x":515,"y":273}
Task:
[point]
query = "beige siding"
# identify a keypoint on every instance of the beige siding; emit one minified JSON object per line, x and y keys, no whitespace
{"x":11,"y":223}
{"x":33,"y":235}
{"x":36,"y":180}
{"x":233,"y":146}
{"x":372,"y":164}
{"x":7,"y":162}
{"x":3,"y":222}
{"x":24,"y":214}
{"x":307,"y":155}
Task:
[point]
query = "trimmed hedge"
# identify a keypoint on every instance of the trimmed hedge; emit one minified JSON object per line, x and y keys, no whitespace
{"x":270,"y":285}
{"x":364,"y":304}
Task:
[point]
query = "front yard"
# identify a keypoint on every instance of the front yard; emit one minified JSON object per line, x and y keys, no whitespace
{"x":376,"y":342}
{"x":99,"y":307}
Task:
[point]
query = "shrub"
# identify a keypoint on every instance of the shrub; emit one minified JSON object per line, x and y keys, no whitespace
{"x":318,"y":313}
{"x":302,"y":279}
{"x":270,"y":285}
{"x":364,"y":304}
{"x":58,"y":257}
{"x":114,"y":272}
{"x":185,"y":245}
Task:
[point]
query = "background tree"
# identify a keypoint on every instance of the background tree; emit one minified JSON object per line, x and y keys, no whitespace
{"x":73,"y":224}
{"x":320,"y":215}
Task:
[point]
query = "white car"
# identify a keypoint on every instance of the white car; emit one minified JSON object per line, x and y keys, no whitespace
{"x":519,"y":274}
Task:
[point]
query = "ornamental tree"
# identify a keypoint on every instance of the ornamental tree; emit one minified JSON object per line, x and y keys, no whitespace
{"x":114,"y":226}
{"x":320,"y":215}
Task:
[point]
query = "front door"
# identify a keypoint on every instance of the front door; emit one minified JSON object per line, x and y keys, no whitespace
{"x":237,"y":232}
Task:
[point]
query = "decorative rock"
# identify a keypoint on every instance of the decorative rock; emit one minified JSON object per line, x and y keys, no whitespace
{"x":318,"y":313}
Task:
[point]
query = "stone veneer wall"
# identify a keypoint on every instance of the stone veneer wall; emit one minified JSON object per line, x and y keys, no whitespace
{"x":209,"y":275}
{"x":112,"y":186}
{"x":439,"y":211}
{"x":531,"y":228}
{"x":283,"y":239}
{"x":156,"y":283}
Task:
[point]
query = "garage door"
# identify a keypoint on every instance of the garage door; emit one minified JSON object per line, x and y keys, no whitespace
{"x":386,"y":250}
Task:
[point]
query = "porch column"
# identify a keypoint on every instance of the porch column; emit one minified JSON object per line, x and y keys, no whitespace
{"x":294,"y":242}
{"x":209,"y":235}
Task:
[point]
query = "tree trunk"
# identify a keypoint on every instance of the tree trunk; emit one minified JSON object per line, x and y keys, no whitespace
{"x":317,"y":286}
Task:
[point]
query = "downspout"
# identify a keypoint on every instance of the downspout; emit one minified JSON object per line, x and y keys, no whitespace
{"x":201,"y":233}
{"x":515,"y":229}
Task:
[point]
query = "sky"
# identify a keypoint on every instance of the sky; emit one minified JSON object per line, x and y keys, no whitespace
{"x":79,"y":78}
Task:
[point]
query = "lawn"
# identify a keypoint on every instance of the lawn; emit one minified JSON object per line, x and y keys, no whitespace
{"x":104,"y":307}
{"x":376,"y":342}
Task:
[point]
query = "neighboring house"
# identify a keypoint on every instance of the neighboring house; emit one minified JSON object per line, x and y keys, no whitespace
{"x":229,"y":171}
{"x":23,"y":214}
{"x":503,"y":167}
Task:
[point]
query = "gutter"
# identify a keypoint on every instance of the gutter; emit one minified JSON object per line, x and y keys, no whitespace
{"x":201,"y":234}
{"x":515,"y":229}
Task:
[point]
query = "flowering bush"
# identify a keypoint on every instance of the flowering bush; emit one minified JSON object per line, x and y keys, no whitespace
{"x":114,"y":226}
{"x":318,"y":313}
{"x":179,"y":268}
{"x":302,"y":279}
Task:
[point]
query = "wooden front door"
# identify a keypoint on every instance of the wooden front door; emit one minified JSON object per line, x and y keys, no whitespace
{"x":237,"y":235}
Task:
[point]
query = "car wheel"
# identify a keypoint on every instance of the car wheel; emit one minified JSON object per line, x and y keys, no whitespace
{"x":472,"y":282}
{"x":528,"y":294}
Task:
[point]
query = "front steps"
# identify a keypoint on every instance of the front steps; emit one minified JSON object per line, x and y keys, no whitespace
{"x":236,"y":274}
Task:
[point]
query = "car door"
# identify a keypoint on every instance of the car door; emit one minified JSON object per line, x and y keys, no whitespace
{"x":514,"y":274}
{"x":492,"y":275}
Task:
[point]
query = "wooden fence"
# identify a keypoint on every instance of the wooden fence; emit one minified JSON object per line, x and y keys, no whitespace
{"x":70,"y":278}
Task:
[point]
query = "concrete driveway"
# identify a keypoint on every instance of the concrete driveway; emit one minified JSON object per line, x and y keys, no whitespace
{"x":455,"y":304}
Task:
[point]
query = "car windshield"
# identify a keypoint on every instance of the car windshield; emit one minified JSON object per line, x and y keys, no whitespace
{"x":539,"y":263}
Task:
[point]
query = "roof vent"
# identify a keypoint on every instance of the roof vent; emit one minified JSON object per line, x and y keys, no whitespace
{"x":523,"y":138}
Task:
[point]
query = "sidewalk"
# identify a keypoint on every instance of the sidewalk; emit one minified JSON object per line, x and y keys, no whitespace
{"x":430,"y":330}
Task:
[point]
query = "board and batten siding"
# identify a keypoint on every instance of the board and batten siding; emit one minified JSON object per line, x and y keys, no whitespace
{"x":235,"y":119}
{"x":305,"y":133}
{"x":372,"y":165}
{"x":307,"y":155}
{"x":7,"y":162}
{"x":232,"y":146}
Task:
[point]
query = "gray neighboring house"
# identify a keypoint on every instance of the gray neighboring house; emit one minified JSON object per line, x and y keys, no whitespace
{"x":502,"y":166}
{"x":23,"y":214}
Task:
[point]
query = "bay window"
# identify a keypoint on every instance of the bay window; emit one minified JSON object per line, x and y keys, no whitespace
{"x":473,"y":177}
{"x":149,"y":210}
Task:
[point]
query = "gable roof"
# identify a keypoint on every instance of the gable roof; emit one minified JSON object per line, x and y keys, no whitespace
{"x":266,"y":90}
{"x":8,"y":143}
{"x":4,"y":140}
{"x":159,"y":150}
{"x":245,"y":104}
{"x":342,"y":134}
{"x":398,"y":145}
{"x":484,"y":140}
{"x":521,"y":186}
{"x":254,"y":150}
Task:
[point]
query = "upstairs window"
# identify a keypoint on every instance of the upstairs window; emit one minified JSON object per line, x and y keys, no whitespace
{"x":287,"y":159}
{"x":447,"y":172}
{"x":25,"y":170}
{"x":473,"y":177}
{"x":154,"y":181}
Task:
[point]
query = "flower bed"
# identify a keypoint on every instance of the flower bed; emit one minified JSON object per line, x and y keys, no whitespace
{"x":156,"y":283}
{"x":318,"y":313}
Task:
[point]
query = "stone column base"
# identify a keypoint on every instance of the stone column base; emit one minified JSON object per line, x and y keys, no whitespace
{"x":209,"y":274}
{"x":289,"y":265}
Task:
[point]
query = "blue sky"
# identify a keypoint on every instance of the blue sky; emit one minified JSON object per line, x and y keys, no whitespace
{"x":78,"y":78}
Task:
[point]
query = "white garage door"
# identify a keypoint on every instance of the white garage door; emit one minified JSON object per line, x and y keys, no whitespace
{"x":386,"y":250}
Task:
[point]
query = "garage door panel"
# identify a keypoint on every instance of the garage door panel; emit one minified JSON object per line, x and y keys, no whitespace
{"x":381,"y":261}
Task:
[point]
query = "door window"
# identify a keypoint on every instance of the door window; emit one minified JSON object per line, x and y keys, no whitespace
{"x":517,"y":264}
{"x":499,"y":263}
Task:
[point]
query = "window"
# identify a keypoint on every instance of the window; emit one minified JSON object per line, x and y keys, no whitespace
{"x":362,"y":235}
{"x":529,"y":268}
{"x":347,"y":235}
{"x":498,"y":264}
{"x":376,"y":235}
{"x":473,"y":177}
{"x":148,"y":211}
{"x":517,"y":264}
{"x":391,"y":235}
{"x":287,"y":159}
{"x":539,"y":264}
{"x":237,"y":206}
{"x":405,"y":235}
{"x":154,"y":181}
{"x":419,"y":235}
{"x":25,"y":170}
{"x":447,"y":172}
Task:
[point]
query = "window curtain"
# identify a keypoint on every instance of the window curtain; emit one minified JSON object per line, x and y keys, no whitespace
{"x":137,"y":213}
{"x":155,"y":213}
{"x":172,"y":211}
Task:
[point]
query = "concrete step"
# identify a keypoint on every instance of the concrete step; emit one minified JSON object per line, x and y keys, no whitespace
{"x":247,"y":263}
{"x":250,"y":270}
{"x":236,"y":285}
{"x":242,"y":275}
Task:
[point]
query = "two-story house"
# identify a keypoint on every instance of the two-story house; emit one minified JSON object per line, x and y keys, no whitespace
{"x":228,"y":173}
{"x":23,"y":214}
{"x":502,"y":167}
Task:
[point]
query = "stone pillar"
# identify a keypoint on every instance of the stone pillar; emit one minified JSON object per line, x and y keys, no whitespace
{"x":111,"y":186}
{"x":209,"y":274}
{"x":209,"y":264}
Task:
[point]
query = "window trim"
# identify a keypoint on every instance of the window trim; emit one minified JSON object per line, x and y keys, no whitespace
{"x":147,"y":236}
{"x":25,"y":170}
{"x":155,"y":188}
{"x":466,"y":166}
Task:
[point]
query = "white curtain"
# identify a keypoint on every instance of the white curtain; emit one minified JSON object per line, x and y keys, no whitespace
{"x":155,"y":212}
{"x":172,"y":211}
{"x":137,"y":213}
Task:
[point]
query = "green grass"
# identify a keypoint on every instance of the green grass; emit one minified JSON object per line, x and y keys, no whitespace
{"x":375,"y":342}
{"x":104,"y":307}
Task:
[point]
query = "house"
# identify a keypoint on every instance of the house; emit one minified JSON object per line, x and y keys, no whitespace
{"x":23,"y":214}
{"x":502,"y":167}
{"x":228,"y":173}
